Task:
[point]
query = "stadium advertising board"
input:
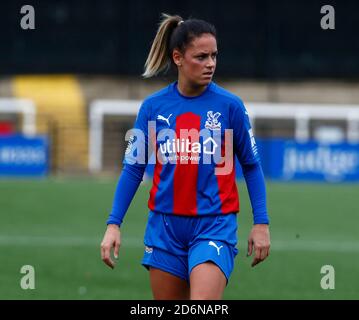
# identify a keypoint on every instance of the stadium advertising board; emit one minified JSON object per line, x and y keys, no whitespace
{"x":23,"y":156}
{"x":311,"y":161}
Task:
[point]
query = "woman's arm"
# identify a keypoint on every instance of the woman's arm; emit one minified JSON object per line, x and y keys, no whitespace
{"x":130,"y":179}
{"x":127,"y":186}
{"x":246,"y":151}
{"x":259,"y":238}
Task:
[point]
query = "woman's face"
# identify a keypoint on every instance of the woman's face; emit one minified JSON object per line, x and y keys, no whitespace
{"x":198,"y":63}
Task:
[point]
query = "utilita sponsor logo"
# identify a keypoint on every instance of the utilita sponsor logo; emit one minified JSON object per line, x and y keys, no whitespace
{"x":334,"y":165}
{"x":184,"y":147}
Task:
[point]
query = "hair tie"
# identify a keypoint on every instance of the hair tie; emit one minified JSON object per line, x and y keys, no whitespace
{"x":179,"y":23}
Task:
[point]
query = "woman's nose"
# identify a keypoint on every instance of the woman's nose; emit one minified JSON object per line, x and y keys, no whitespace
{"x":211,"y":63}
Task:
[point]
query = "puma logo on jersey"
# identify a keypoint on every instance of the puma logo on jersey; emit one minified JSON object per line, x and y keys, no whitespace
{"x":211,"y":243}
{"x":160,"y":117}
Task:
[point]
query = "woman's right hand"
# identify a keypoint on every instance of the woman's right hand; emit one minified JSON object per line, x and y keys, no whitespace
{"x":111,"y":239}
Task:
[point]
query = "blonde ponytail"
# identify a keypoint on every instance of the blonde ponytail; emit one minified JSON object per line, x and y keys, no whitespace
{"x":159,"y":57}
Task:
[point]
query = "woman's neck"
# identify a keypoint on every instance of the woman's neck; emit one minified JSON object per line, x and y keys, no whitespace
{"x":189,"y":90}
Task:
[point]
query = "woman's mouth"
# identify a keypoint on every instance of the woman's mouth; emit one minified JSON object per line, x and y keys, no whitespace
{"x":208,"y":74}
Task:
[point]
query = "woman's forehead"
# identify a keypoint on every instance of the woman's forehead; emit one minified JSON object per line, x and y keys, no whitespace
{"x":205,"y":42}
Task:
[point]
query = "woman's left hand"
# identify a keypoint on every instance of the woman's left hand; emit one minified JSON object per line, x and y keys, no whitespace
{"x":259,"y":239}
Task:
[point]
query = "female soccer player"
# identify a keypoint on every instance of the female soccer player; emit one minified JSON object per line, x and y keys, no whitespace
{"x":190,"y":236}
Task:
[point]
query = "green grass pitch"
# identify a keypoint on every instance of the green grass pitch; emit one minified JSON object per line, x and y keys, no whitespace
{"x":56,"y":226}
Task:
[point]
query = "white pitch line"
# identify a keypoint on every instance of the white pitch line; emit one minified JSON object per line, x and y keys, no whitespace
{"x":315,"y":245}
{"x":58,"y":241}
{"x":71,"y":241}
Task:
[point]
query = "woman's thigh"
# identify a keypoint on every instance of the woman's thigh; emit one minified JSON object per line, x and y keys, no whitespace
{"x":207,"y":282}
{"x":166,"y":286}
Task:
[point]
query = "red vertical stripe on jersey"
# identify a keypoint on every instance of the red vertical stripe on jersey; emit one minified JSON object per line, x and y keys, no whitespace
{"x":186,"y":174}
{"x":154,"y":189}
{"x":156,"y":174}
{"x":227,"y":188}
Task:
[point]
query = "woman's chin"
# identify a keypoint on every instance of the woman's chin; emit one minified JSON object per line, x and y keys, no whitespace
{"x":205,"y":81}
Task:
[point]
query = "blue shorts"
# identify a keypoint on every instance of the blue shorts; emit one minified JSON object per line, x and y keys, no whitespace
{"x":176,"y":244}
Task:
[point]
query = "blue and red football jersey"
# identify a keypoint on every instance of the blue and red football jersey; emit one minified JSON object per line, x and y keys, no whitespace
{"x":184,"y":183}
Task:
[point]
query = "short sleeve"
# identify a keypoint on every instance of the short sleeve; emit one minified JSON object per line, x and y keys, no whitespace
{"x":244,"y":143}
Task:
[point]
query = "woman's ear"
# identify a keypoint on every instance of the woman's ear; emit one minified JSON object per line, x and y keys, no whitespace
{"x":177,"y":57}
